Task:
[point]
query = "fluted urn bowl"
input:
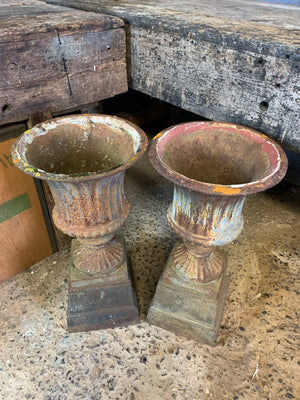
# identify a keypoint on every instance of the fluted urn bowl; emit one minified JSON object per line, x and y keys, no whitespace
{"x":213,"y":167}
{"x":83,"y":159}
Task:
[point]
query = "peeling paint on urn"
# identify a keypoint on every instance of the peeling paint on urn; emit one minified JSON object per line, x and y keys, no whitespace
{"x":83,"y":158}
{"x":213,"y":166}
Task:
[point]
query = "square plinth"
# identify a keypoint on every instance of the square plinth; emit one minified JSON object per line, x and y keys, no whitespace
{"x":190,"y":311}
{"x":98,"y":303}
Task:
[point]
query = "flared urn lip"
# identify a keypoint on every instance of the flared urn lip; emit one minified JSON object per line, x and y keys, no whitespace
{"x":20,"y":147}
{"x":275,"y":172}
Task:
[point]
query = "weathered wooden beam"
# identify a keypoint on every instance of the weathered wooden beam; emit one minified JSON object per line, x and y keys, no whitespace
{"x":232,"y":61}
{"x":53,"y":58}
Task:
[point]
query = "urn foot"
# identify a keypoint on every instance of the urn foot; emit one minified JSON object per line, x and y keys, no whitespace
{"x":101,"y":301}
{"x":189,"y":310}
{"x":95,"y":256}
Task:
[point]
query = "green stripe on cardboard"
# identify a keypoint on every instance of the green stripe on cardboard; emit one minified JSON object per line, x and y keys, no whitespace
{"x":15,"y":206}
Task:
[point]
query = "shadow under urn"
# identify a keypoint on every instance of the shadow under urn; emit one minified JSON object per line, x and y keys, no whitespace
{"x":213,"y":167}
{"x":83,"y":158}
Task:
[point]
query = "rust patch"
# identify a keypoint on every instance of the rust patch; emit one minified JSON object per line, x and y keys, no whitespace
{"x":83,"y":158}
{"x":213,"y":166}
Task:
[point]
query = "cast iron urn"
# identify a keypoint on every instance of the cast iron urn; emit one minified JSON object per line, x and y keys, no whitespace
{"x":213,"y":167}
{"x":83,"y":158}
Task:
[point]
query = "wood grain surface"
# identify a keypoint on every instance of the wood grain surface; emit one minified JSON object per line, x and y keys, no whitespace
{"x":236,"y":61}
{"x":53,"y":58}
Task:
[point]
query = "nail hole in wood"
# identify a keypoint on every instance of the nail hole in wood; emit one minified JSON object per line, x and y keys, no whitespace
{"x":5,"y":107}
{"x":259,"y":62}
{"x":264,"y":105}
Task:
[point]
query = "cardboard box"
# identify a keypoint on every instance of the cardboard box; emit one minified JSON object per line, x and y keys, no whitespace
{"x":24,"y":237}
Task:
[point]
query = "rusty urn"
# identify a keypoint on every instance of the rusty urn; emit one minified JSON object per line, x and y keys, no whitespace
{"x":213,"y":167}
{"x":83,"y":158}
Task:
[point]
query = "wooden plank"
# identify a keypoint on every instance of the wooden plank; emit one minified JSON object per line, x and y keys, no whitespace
{"x":4,"y":3}
{"x":23,"y":232}
{"x":35,"y":21}
{"x":235,"y":60}
{"x":231,"y":11}
{"x":53,"y":58}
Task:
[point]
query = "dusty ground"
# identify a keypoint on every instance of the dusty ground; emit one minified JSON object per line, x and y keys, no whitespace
{"x":257,"y":355}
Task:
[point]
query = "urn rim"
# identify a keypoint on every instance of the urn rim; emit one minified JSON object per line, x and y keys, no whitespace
{"x":19,"y":148}
{"x":274,"y":174}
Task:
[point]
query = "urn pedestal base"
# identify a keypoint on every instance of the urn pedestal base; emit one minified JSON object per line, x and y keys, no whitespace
{"x":188,"y":309}
{"x":100,"y":302}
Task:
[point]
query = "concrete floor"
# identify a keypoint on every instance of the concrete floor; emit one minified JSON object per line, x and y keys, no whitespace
{"x":257,"y":355}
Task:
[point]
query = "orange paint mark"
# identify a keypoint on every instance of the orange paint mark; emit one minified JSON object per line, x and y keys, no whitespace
{"x":15,"y":161}
{"x":226,"y":190}
{"x":158,"y":136}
